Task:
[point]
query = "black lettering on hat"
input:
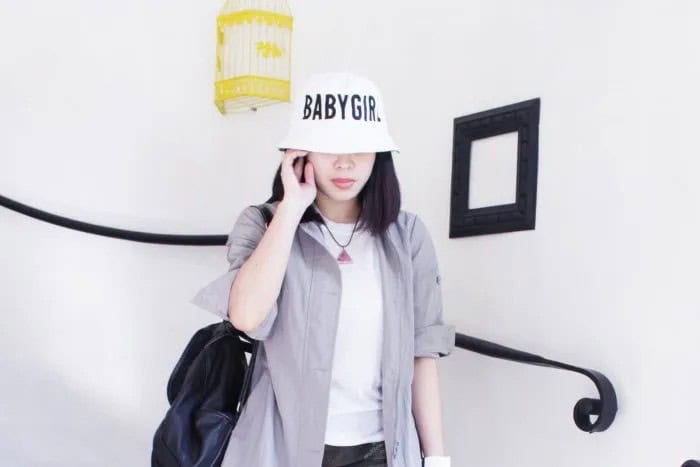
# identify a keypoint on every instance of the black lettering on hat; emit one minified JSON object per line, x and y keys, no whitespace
{"x":342,"y":103}
{"x":307,"y":107}
{"x":330,"y":106}
{"x":371,"y":108}
{"x":356,"y":108}
{"x":325,"y":107}
{"x":317,"y":108}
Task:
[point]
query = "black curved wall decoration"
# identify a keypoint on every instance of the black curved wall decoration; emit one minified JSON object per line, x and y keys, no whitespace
{"x":604,"y":407}
{"x":145,"y":237}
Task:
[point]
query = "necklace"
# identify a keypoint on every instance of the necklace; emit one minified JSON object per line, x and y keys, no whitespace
{"x":343,"y":257}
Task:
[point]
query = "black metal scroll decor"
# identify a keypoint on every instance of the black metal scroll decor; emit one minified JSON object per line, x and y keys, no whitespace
{"x":112,"y":232}
{"x":604,"y":407}
{"x":523,"y":118}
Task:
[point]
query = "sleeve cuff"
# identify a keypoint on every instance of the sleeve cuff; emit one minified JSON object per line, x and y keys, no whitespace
{"x":437,"y":340}
{"x":214,"y":298}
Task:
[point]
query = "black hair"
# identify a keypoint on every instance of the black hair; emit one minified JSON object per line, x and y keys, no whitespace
{"x":380,"y":198}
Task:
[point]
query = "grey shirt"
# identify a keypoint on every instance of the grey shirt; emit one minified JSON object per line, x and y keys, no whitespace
{"x":283,"y":422}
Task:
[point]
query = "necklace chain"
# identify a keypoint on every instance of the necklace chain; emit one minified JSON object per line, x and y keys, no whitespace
{"x":351,"y":234}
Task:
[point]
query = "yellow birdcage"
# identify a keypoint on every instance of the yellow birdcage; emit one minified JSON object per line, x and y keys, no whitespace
{"x":253,"y":55}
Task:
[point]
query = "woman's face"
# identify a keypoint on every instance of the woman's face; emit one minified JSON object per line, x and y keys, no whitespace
{"x":330,"y":167}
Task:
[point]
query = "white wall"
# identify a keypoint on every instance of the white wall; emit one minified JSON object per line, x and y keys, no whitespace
{"x":106,"y":116}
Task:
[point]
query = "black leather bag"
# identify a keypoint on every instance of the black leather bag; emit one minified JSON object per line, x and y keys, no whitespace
{"x":206,"y":391}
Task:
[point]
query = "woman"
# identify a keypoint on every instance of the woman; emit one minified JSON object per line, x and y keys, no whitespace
{"x":343,"y":290}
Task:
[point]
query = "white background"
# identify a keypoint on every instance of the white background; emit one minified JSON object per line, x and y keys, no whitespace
{"x":107,"y":116}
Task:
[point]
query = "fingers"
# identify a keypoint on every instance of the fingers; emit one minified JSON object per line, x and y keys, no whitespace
{"x":290,"y":161}
{"x":294,"y":153}
{"x":309,"y":173}
{"x":298,"y":163}
{"x":290,"y":155}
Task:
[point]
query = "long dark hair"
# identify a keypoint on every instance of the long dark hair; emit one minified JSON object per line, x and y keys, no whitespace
{"x":380,"y":198}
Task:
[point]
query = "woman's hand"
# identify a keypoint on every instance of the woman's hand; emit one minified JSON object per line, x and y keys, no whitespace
{"x":298,"y":193}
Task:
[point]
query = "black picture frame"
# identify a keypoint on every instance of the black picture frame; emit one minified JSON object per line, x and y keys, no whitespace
{"x":521,"y":117}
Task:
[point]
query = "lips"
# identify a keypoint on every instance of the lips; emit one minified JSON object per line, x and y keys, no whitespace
{"x":343,"y":182}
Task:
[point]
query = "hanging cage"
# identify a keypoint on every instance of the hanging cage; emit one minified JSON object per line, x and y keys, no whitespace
{"x":253,"y":55}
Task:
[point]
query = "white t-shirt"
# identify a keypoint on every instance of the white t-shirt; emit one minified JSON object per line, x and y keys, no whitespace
{"x":355,"y":404}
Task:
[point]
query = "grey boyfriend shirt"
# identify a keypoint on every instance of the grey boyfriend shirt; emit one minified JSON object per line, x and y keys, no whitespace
{"x":283,"y":421}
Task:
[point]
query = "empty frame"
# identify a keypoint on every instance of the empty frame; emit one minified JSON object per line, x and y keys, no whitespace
{"x":494,"y":170}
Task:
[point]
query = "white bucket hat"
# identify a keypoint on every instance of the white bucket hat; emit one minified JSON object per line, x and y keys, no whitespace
{"x":338,"y":112}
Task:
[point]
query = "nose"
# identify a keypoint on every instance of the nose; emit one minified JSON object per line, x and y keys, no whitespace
{"x":343,"y":160}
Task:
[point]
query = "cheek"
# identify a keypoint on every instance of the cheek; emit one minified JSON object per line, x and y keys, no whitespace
{"x":317,"y":163}
{"x":320,"y":168}
{"x":322,"y":172}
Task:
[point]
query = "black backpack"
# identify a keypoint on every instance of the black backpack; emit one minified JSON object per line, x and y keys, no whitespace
{"x":206,"y":390}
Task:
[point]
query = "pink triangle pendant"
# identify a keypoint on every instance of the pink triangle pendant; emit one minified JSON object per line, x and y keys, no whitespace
{"x":344,"y":257}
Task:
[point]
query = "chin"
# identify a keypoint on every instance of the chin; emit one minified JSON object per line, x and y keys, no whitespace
{"x":343,"y":196}
{"x":337,"y":194}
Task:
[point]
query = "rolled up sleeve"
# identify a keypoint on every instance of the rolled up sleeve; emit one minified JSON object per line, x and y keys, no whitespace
{"x":242,"y":241}
{"x":433,"y":338}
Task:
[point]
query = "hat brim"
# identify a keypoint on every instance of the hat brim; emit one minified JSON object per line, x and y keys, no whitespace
{"x":385,"y":144}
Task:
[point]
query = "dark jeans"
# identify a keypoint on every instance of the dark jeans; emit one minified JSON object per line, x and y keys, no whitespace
{"x":360,"y":455}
